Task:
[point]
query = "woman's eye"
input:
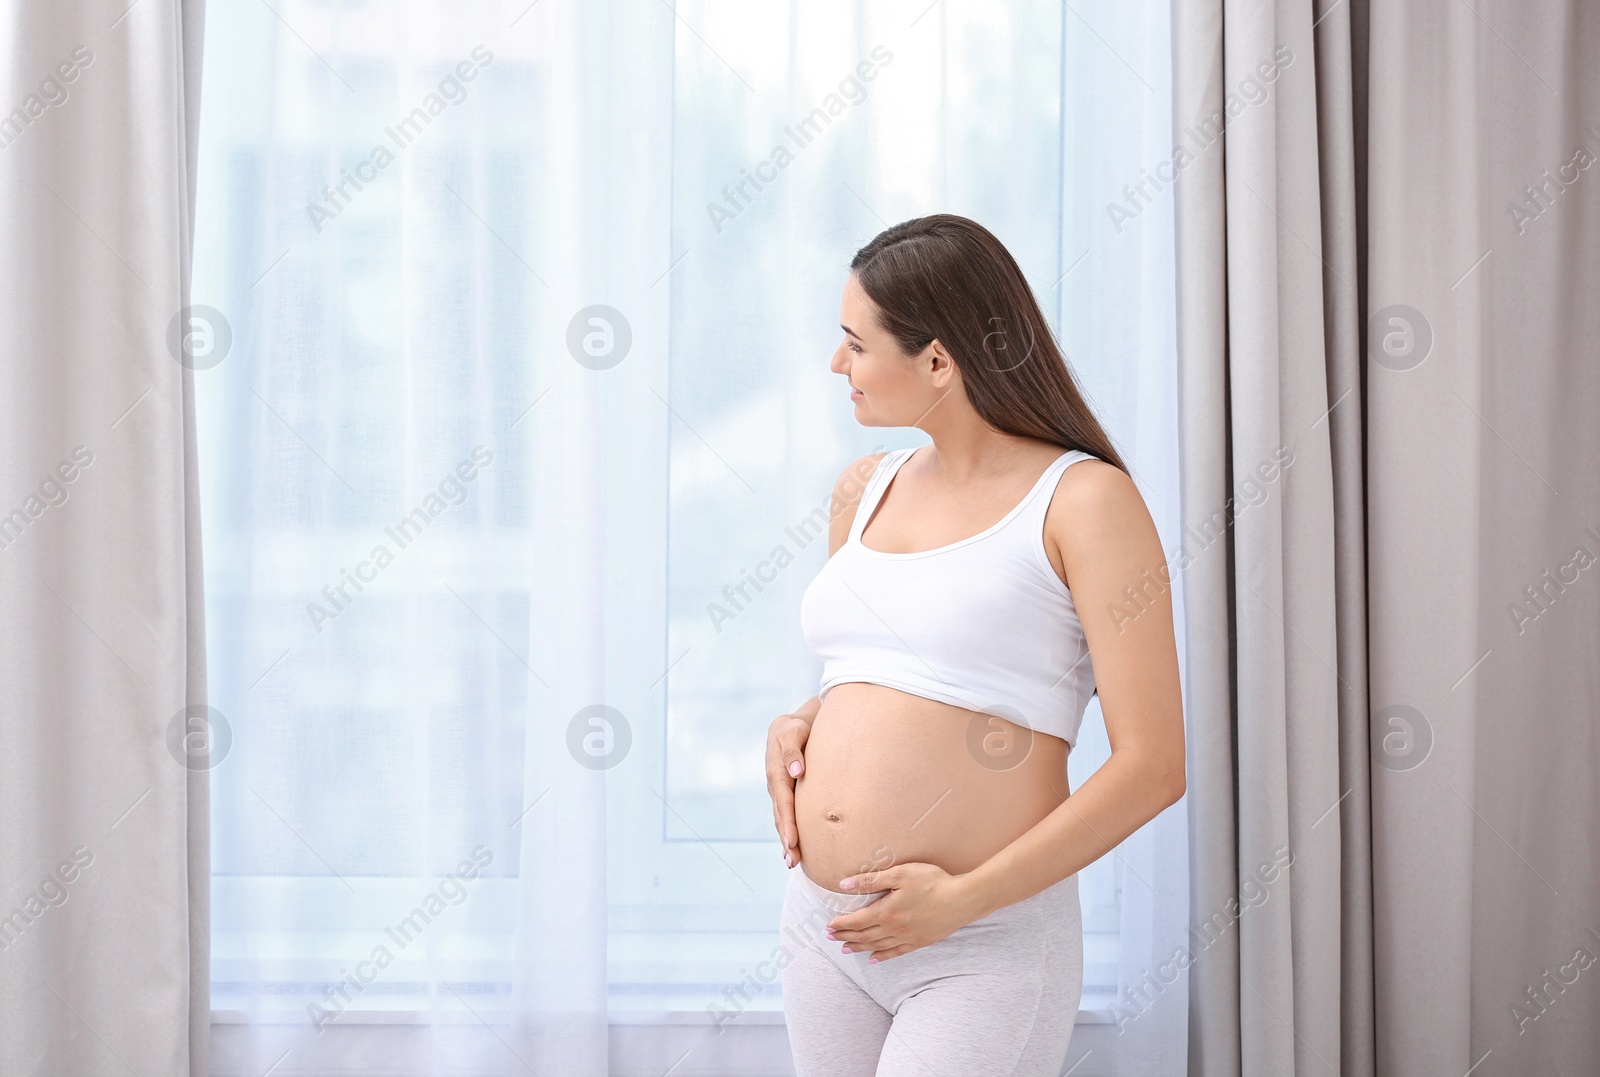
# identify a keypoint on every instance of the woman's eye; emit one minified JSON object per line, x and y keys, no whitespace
{"x":852,"y":347}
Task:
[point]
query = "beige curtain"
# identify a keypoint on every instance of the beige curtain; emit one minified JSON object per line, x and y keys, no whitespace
{"x":104,"y":855}
{"x":1389,"y":245}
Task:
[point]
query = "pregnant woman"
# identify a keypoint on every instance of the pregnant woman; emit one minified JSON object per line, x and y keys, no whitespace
{"x":931,"y":916}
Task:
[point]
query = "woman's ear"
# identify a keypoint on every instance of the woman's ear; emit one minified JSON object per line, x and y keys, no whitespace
{"x":941,"y":365}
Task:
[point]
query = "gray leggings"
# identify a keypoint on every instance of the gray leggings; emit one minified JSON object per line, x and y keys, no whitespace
{"x":998,"y":996}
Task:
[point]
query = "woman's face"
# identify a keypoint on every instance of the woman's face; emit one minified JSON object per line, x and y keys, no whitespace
{"x":887,"y":387}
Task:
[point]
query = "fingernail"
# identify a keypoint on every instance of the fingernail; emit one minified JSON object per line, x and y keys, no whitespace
{"x":794,"y":769}
{"x":788,"y":858}
{"x":872,"y":960}
{"x":846,"y":950}
{"x":848,"y":884}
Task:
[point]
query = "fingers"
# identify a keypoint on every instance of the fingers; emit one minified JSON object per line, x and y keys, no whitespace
{"x":869,"y":946}
{"x":781,"y":790}
{"x":791,"y":749}
{"x":785,"y":764}
{"x":862,"y":937}
{"x":784,"y":803}
{"x":871,"y":882}
{"x":873,"y":938}
{"x":873,"y":927}
{"x":789,"y":742}
{"x":788,"y":831}
{"x":785,"y":748}
{"x":784,"y":812}
{"x":867,"y":919}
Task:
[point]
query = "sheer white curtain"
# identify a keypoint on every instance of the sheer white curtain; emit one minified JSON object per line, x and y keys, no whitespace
{"x":519,"y":388}
{"x":1117,"y":325}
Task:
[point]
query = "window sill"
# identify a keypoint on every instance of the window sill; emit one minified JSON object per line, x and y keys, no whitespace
{"x":615,"y":1018}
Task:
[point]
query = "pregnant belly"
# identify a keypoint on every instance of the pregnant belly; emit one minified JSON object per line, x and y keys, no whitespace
{"x":893,"y":778}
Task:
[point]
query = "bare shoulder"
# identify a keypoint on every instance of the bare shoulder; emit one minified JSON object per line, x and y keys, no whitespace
{"x":847,"y":490}
{"x":1097,"y":487}
{"x":1097,"y":517}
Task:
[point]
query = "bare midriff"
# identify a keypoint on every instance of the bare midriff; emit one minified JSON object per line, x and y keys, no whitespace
{"x":893,"y":778}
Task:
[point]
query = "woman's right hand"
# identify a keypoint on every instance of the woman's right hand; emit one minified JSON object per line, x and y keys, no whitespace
{"x":786,"y":762}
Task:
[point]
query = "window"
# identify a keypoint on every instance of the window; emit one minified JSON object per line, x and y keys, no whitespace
{"x":405,"y":214}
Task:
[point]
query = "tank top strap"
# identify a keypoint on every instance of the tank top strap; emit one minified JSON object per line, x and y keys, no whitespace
{"x":1032,"y":513}
{"x":874,"y":491}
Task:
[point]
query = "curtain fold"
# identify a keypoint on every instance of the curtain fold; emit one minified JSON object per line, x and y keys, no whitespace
{"x":1201,"y":258}
{"x":595,"y":427}
{"x":1341,"y":105}
{"x":1259,"y":486}
{"x":1484,"y":383}
{"x":1366,"y":686}
{"x":104,"y":786}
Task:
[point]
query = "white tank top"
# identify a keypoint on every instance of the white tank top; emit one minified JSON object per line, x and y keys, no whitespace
{"x":984,"y":623}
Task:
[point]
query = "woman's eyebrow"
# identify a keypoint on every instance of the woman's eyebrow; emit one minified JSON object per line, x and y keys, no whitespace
{"x":847,"y":329}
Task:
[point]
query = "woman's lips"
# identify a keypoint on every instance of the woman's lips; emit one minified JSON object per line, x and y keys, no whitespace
{"x":855,"y":394}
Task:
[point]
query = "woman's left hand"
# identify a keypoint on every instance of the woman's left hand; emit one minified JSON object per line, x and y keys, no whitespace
{"x":925,"y":903}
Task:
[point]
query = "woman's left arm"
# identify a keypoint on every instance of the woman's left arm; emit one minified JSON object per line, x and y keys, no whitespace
{"x":1121,"y":587}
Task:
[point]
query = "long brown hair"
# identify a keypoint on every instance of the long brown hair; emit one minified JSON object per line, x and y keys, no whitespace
{"x":948,"y":277}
